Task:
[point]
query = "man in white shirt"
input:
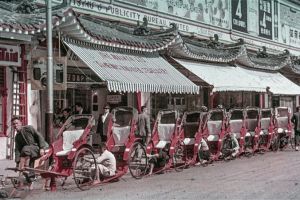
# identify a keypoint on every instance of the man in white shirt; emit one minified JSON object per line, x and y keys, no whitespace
{"x":106,"y":164}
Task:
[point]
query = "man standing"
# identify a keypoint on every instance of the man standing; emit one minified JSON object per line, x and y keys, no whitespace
{"x":79,"y":109}
{"x":296,"y":121}
{"x":103,"y":120}
{"x":144,"y":130}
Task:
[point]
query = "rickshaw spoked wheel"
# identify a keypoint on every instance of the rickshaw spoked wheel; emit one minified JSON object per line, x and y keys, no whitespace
{"x":84,"y":168}
{"x":138,"y":160}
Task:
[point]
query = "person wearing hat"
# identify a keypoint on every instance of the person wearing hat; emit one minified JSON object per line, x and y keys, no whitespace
{"x":103,"y":121}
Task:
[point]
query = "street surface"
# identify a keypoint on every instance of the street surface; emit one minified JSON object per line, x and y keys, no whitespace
{"x":273,"y":175}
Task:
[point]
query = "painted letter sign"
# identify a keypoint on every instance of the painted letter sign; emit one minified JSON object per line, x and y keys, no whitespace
{"x":10,"y":55}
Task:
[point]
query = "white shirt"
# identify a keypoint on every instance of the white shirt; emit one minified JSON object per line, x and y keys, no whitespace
{"x":103,"y":117}
{"x":108,"y":160}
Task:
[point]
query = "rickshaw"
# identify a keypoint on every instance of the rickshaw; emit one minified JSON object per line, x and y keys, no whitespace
{"x":124,"y":144}
{"x":163,"y":152}
{"x":68,"y":155}
{"x":252,"y":122}
{"x":267,"y":129}
{"x":191,"y":135}
{"x":237,"y":125}
{"x":214,"y":130}
{"x":283,"y":129}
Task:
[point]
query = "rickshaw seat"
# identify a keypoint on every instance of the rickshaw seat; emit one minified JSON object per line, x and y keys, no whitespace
{"x":236,"y":126}
{"x":165,"y":131}
{"x":213,"y":138}
{"x":265,"y":123}
{"x":120,"y":135}
{"x":69,"y":137}
{"x":282,"y":122}
{"x":214,"y":127}
{"x":251,"y":124}
{"x":161,"y":144}
{"x":189,"y":141}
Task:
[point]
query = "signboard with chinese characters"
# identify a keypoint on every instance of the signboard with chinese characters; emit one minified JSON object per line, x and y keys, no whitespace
{"x":239,"y":15}
{"x":10,"y":55}
{"x":265,"y":18}
{"x":210,"y":12}
{"x":114,"y":99}
{"x":219,"y":18}
{"x":289,"y":25}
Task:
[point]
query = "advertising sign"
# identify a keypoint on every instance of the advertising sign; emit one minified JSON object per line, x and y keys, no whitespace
{"x":265,"y":18}
{"x":239,"y":15}
{"x":289,"y":26}
{"x":212,"y":12}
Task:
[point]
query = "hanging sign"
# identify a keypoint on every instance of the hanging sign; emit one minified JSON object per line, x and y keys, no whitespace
{"x":10,"y":55}
{"x":239,"y":15}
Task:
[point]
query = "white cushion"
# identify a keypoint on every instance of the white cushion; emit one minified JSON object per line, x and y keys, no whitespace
{"x":213,"y":138}
{"x":189,"y":141}
{"x":161,"y":144}
{"x":69,"y":137}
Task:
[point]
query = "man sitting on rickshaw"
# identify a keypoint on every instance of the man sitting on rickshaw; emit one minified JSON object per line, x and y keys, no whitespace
{"x":230,"y":147}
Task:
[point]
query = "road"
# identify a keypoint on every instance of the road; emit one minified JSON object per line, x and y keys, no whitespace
{"x":273,"y":175}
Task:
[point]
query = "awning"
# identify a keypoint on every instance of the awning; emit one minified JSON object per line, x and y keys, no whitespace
{"x":237,"y":78}
{"x":129,"y":72}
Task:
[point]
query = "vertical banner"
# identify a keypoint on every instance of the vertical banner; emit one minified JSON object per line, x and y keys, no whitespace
{"x":239,"y":15}
{"x":265,"y":18}
{"x":276,"y":20}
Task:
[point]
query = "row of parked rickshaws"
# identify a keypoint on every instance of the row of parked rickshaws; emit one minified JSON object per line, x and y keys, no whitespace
{"x":176,"y":139}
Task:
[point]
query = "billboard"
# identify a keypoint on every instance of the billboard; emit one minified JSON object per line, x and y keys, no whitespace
{"x":239,"y":15}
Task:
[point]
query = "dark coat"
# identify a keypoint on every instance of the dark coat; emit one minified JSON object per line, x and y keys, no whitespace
{"x":28,"y":136}
{"x":296,"y":121}
{"x":102,"y":127}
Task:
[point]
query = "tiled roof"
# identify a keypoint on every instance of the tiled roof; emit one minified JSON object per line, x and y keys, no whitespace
{"x":21,"y":23}
{"x":206,"y":50}
{"x":264,"y":60}
{"x":96,"y":31}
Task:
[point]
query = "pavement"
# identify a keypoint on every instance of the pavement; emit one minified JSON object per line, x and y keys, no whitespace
{"x":4,"y":163}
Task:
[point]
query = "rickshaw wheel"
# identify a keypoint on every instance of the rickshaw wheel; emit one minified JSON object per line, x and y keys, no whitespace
{"x":179,"y":157}
{"x":275,"y":143}
{"x":138,"y":161}
{"x":84,"y":168}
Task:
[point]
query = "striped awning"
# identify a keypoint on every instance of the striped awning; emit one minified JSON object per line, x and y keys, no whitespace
{"x":238,"y":78}
{"x":133,"y":72}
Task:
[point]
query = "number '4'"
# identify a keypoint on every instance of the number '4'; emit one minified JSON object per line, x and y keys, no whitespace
{"x":238,"y":11}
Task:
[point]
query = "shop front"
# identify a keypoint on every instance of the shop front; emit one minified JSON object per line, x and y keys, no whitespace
{"x":123,"y":78}
{"x":238,"y":86}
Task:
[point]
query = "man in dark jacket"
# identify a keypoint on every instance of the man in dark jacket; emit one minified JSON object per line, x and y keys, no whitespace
{"x":29,"y":144}
{"x":296,"y":121}
{"x":144,"y":130}
{"x":103,"y":120}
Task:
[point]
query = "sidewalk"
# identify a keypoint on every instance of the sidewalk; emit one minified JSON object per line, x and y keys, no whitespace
{"x":7,"y":163}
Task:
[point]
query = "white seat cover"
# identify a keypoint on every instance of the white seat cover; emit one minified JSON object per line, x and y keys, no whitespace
{"x":120,"y":134}
{"x":214,"y":127}
{"x":189,"y":141}
{"x":69,"y":137}
{"x":165,"y":131}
